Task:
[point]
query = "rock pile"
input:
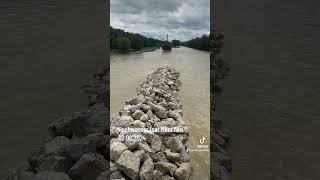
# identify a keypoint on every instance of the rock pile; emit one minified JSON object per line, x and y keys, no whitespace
{"x":78,"y":146}
{"x":218,"y":67}
{"x":148,"y":134}
{"x":220,"y":162}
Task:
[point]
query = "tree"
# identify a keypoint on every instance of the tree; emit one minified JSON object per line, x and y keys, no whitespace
{"x":123,"y":44}
{"x":166,"y":46}
{"x":201,"y":43}
{"x":175,"y":43}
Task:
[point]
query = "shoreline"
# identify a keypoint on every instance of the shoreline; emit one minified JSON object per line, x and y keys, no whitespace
{"x":131,"y":51}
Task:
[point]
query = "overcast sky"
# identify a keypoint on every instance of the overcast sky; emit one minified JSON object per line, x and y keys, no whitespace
{"x":181,"y":19}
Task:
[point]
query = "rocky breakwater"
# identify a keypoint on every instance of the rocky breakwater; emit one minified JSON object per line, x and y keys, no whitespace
{"x":148,"y":134}
{"x":78,"y":146}
{"x":220,"y":162}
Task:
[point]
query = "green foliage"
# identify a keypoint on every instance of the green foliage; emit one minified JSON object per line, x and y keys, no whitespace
{"x":166,"y":46}
{"x":202,"y":43}
{"x":175,"y":43}
{"x":123,"y":44}
{"x":137,"y":41}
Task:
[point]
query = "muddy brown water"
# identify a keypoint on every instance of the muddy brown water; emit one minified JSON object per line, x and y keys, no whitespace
{"x":127,"y":71}
{"x":271,"y":99}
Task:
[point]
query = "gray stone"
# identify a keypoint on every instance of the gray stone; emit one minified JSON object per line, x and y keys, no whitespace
{"x":157,"y":175}
{"x":167,"y":177}
{"x":61,"y":127}
{"x":131,"y":108}
{"x":145,"y":108}
{"x":159,"y":156}
{"x":156,"y":143}
{"x":124,"y":121}
{"x":93,"y":121}
{"x":183,"y":172}
{"x":146,"y":171}
{"x":116,"y":149}
{"x":159,"y":110}
{"x":132,"y":145}
{"x":80,"y":146}
{"x":116,"y":175}
{"x":144,"y":118}
{"x":89,"y":166}
{"x":138,"y":124}
{"x":165,"y":167}
{"x":171,"y":156}
{"x":55,"y":163}
{"x":138,"y":114}
{"x":140,"y":154}
{"x":56,"y":144}
{"x":113,"y":167}
{"x":174,"y":144}
{"x":104,"y":176}
{"x":145,"y":147}
{"x":129,"y":164}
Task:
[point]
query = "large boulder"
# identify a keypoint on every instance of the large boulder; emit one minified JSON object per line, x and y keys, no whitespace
{"x":184,"y":171}
{"x":55,"y":163}
{"x":57,"y":144}
{"x":166,"y":167}
{"x":174,"y":143}
{"x":129,"y":164}
{"x":93,"y":121}
{"x":146,"y":171}
{"x":156,"y":143}
{"x":89,"y":166}
{"x":116,"y":150}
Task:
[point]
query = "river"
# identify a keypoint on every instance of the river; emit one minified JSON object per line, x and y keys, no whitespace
{"x":48,"y":49}
{"x":127,"y":71}
{"x":271,"y":99}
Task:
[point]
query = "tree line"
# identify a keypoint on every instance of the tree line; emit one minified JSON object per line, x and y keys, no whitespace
{"x":201,"y":43}
{"x":124,"y":41}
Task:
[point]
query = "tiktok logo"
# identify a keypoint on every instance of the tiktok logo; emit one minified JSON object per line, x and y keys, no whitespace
{"x":202,"y":140}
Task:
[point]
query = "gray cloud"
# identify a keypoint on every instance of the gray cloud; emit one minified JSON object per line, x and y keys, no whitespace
{"x":181,"y":19}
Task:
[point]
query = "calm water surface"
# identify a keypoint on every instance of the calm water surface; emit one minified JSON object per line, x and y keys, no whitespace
{"x":128,"y":71}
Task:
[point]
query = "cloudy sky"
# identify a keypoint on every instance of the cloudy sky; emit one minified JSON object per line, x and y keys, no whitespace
{"x":181,"y":19}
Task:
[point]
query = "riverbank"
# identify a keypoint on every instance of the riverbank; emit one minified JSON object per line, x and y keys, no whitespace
{"x":220,"y":162}
{"x":145,"y":49}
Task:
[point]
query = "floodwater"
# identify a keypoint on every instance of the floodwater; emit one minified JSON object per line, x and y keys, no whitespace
{"x":127,"y":71}
{"x":271,"y":99}
{"x":48,"y":49}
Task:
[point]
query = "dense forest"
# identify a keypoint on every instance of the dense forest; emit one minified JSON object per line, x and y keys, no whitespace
{"x":124,"y":41}
{"x":201,"y":43}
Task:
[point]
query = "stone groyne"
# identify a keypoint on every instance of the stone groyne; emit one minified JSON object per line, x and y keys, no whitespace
{"x":78,"y":146}
{"x":220,"y":162}
{"x":148,"y":134}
